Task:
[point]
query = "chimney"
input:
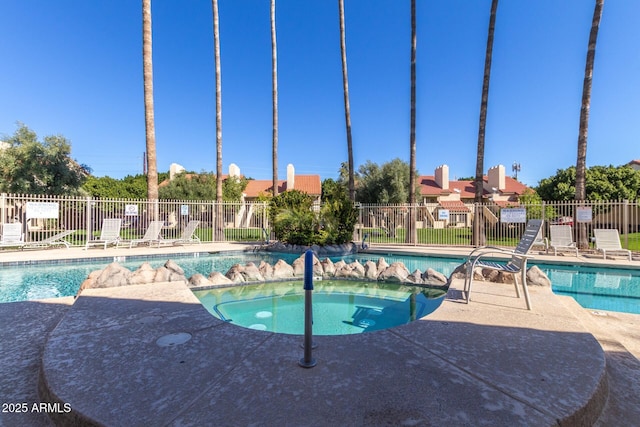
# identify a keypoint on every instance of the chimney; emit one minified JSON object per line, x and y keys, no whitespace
{"x":290,"y":177}
{"x":442,"y":176}
{"x":175,"y":169}
{"x":496,"y":177}
{"x":234,"y":170}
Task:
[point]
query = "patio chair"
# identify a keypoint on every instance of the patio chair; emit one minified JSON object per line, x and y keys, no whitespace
{"x":608,"y":241}
{"x":12,"y":236}
{"x":188,"y":235}
{"x":516,"y":265}
{"x":152,"y":235}
{"x":49,"y":242}
{"x":110,"y":234}
{"x":561,"y":238}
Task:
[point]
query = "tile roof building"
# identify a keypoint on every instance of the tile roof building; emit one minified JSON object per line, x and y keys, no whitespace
{"x":439,"y":193}
{"x":309,"y":184}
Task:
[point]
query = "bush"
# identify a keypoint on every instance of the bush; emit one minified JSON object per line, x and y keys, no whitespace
{"x":294,"y":220}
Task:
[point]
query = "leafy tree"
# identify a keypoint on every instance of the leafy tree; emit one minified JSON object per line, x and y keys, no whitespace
{"x":202,"y":186}
{"x":388,"y":183}
{"x":130,"y":187}
{"x":533,"y":203}
{"x":601,"y":183}
{"x":232,"y":188}
{"x":190,"y":187}
{"x":338,"y":215}
{"x":31,"y":167}
{"x":292,"y":218}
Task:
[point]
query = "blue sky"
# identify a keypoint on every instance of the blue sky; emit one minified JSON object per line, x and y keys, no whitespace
{"x":75,"y":68}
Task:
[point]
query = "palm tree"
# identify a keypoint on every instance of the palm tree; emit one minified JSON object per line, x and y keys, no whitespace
{"x":274,"y":83}
{"x":347,"y":108}
{"x":152,"y":170}
{"x":219,"y":228}
{"x":584,"y":118}
{"x":479,"y":237}
{"x":411,"y":236}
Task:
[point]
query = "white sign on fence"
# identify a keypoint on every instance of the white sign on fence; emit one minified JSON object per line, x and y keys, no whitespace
{"x":584,"y":214}
{"x":513,"y":215}
{"x":131,"y":210}
{"x":443,"y":214}
{"x":184,"y":210}
{"x":42,"y":210}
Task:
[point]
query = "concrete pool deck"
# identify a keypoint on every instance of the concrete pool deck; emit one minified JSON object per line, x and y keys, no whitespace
{"x":489,"y":362}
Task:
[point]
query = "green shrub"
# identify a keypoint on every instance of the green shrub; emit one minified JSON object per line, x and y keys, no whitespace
{"x":294,"y":220}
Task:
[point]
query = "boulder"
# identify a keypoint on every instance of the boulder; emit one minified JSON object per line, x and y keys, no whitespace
{"x":266,"y":270}
{"x":112,"y":276}
{"x":235,"y":273}
{"x":353,"y":270}
{"x":396,"y":272}
{"x":217,"y":278}
{"x":199,"y":280}
{"x":282,"y":270}
{"x":433,"y":277}
{"x":144,"y":274}
{"x":328,"y":268}
{"x":251,"y":273}
{"x":174,"y":268}
{"x":381,"y":265}
{"x":536,"y":277}
{"x":370,"y":270}
{"x":415,"y":277}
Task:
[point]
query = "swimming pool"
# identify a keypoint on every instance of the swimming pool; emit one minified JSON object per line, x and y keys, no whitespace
{"x":340,"y":307}
{"x":594,"y":288}
{"x":40,"y":280}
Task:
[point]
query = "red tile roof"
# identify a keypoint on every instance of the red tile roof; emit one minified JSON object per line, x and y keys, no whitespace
{"x":428,"y":187}
{"x":309,"y":184}
{"x":454,"y":206}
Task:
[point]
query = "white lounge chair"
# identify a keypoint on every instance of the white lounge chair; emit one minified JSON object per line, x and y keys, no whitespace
{"x":152,"y":234}
{"x":188,"y":235}
{"x":55,"y":240}
{"x":608,"y":241}
{"x":517,"y":264}
{"x":12,"y":236}
{"x":561,"y":238}
{"x":110,"y":234}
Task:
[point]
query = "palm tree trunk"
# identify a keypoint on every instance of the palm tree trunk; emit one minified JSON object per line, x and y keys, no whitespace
{"x":479,"y":237}
{"x":219,"y":221}
{"x":149,"y":121}
{"x":411,"y":236}
{"x":581,"y":166}
{"x":347,"y":108}
{"x":274,"y":83}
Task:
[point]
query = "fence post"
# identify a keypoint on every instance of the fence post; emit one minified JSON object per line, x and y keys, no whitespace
{"x":625,"y":221}
{"x":88,"y":219}
{"x":3,"y":208}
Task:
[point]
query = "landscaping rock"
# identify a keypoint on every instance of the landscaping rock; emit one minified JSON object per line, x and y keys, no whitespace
{"x":537,"y":277}
{"x":282,"y":270}
{"x":144,"y":274}
{"x":235,"y":273}
{"x":266,"y":270}
{"x":396,"y":272}
{"x":217,"y":278}
{"x":370,"y":270}
{"x":329,"y":269}
{"x":251,"y":273}
{"x":199,"y":280}
{"x":434,"y":278}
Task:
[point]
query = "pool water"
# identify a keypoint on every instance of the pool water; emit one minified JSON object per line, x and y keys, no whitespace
{"x":598,"y":288}
{"x":339,"y":307}
{"x":53,"y":280}
{"x":593,"y":288}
